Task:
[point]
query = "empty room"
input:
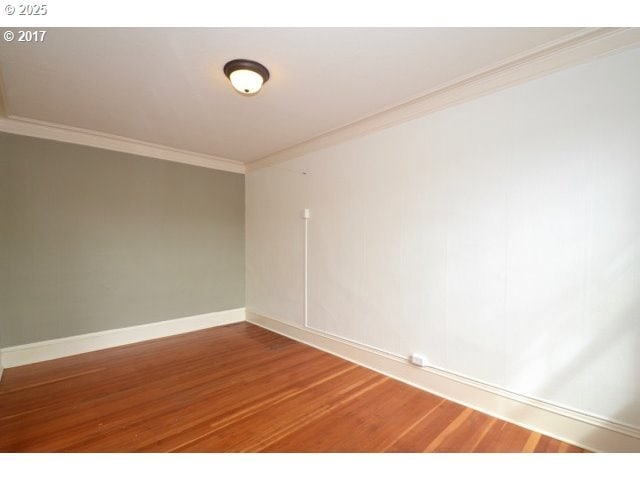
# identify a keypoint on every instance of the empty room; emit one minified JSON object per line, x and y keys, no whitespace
{"x":320,"y":240}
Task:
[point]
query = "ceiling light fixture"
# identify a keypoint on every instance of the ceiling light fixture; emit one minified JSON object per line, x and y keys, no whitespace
{"x":246,"y":76}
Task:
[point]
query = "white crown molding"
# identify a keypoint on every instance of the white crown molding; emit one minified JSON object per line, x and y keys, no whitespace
{"x":63,"y":347}
{"x":61,"y":133}
{"x":571,"y":426}
{"x":584,"y":45}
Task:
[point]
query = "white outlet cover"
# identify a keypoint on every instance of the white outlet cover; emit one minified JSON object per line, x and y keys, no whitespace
{"x":418,"y":359}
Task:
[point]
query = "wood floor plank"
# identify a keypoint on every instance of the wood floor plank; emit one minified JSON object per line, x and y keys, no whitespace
{"x":230,"y":389}
{"x":467,"y":436}
{"x":532,"y":442}
{"x":426,"y":431}
{"x":504,"y":437}
{"x":171,"y":402}
{"x":451,"y":428}
{"x":122,"y":373}
{"x":371,"y":420}
{"x":548,"y":445}
{"x":259,"y":428}
{"x":480,"y":433}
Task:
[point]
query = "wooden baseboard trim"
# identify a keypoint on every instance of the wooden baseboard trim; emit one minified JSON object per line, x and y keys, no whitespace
{"x":592,"y":433}
{"x":63,"y":347}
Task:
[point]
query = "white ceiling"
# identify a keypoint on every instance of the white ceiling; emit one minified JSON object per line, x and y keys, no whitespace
{"x":166,"y":86}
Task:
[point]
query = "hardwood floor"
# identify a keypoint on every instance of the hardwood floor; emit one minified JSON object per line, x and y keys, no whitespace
{"x":237,"y":388}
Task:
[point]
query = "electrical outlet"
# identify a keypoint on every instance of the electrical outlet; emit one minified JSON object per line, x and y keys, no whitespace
{"x":419,"y":360}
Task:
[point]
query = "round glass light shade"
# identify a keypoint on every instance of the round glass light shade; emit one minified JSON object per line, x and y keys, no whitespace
{"x":246,"y":82}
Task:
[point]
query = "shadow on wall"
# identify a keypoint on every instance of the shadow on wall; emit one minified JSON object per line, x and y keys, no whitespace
{"x":625,"y":328}
{"x":600,"y":362}
{"x":623,"y":332}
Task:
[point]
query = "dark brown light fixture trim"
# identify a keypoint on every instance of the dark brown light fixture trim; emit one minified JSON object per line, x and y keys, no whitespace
{"x":242,"y":64}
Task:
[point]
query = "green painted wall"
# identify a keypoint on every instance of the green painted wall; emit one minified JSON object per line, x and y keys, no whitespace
{"x":93,"y":240}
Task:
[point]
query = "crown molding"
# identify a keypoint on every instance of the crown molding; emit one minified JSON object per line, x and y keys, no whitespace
{"x":586,"y":44}
{"x":583,"y":45}
{"x":61,"y":133}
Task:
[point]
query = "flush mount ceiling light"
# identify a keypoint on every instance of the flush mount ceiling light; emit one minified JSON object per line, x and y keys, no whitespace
{"x":246,"y":76}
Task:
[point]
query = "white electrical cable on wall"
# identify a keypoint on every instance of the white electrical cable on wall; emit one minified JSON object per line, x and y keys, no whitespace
{"x":306,"y":215}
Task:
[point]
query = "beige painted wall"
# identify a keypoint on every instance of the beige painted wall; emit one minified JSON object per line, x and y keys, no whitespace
{"x":93,"y":240}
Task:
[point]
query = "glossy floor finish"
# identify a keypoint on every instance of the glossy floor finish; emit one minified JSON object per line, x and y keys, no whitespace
{"x":237,"y":388}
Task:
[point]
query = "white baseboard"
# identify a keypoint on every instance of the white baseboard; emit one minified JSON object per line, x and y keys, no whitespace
{"x":593,"y":433}
{"x":63,"y":347}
